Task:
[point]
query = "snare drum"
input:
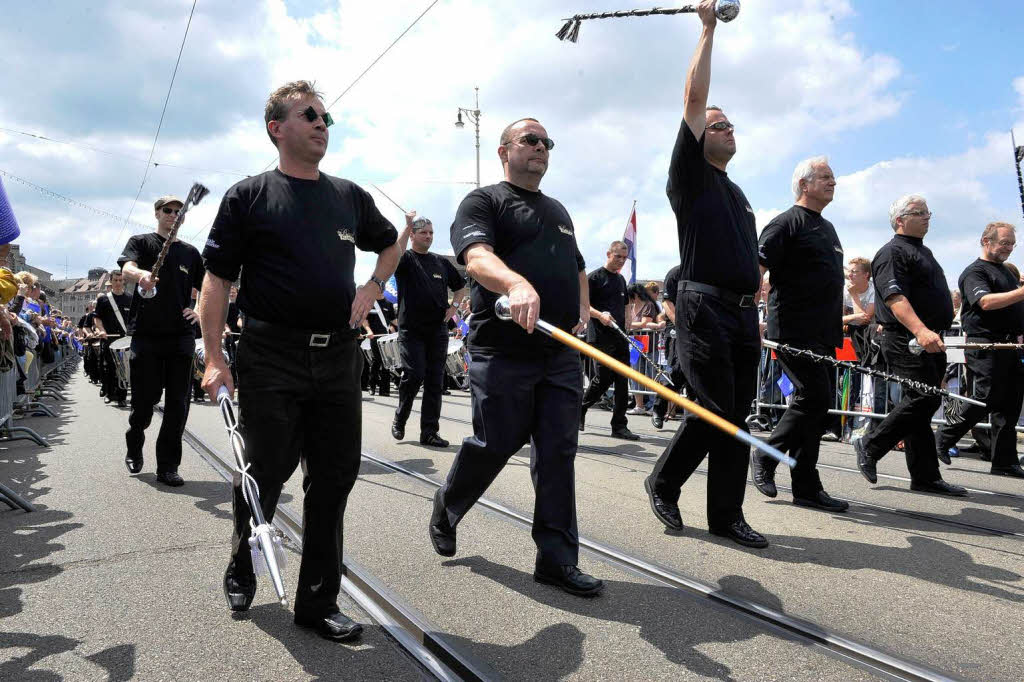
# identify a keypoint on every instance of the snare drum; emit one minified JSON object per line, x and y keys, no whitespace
{"x":456,"y":364}
{"x":389,"y":352}
{"x":121,"y":352}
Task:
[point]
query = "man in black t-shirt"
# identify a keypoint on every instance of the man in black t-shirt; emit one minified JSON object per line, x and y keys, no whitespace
{"x":911,"y":302}
{"x":801,"y":250}
{"x":607,"y":309}
{"x":716,"y":317}
{"x":112,"y":324}
{"x":424,"y":280}
{"x":163,"y":342}
{"x":992,"y":312}
{"x":298,"y":359}
{"x":678,"y":381}
{"x":525,"y":386}
{"x":91,"y":362}
{"x":381,"y":320}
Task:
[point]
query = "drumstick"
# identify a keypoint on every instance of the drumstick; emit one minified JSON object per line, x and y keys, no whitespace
{"x":503,"y":310}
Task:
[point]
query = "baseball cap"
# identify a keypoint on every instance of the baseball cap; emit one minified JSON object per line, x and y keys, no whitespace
{"x":163,"y":201}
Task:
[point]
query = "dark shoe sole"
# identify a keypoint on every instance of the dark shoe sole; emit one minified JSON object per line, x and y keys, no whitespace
{"x":739,"y":541}
{"x":650,"y":498}
{"x":555,"y":582}
{"x":763,"y":488}
{"x":922,"y":489}
{"x":346,"y":636}
{"x":433,"y":540}
{"x":814,"y":504}
{"x":943,"y":456}
{"x":172,"y":484}
{"x":246,"y":601}
{"x":625,"y":436}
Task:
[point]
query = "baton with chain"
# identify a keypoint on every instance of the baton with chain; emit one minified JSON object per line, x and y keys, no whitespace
{"x":916,"y":348}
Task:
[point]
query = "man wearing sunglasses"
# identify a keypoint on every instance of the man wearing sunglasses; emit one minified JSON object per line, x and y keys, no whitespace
{"x":716,"y":316}
{"x":163,"y":341}
{"x":298,"y":361}
{"x":525,"y":386}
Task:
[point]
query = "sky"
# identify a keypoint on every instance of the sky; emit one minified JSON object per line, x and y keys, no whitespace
{"x":903,"y":97}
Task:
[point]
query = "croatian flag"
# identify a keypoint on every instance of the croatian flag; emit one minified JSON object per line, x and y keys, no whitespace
{"x":629,"y":269}
{"x":391,"y":290}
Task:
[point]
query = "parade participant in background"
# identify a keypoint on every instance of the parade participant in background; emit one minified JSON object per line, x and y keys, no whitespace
{"x":914,"y":304}
{"x":661,"y":406}
{"x":112,"y":311}
{"x":801,"y":251}
{"x":716,"y":317}
{"x":381,"y":320}
{"x":424,"y":280}
{"x":607,"y":309}
{"x":298,"y":358}
{"x":162,"y":340}
{"x":232,"y":327}
{"x":525,"y":387}
{"x":993,"y":312}
{"x":642,"y":312}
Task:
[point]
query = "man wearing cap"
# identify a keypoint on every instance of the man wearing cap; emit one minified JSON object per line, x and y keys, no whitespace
{"x":424,"y":280}
{"x":162,"y":339}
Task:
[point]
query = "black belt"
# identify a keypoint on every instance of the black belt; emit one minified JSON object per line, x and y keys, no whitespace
{"x":298,"y":337}
{"x":742,"y":301}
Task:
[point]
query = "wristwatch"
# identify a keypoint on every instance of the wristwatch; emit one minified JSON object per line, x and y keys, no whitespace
{"x":378,"y":282}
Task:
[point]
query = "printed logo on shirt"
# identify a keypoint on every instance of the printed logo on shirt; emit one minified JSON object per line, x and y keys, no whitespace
{"x":893,"y":285}
{"x":212,"y":244}
{"x":183,"y":269}
{"x":978,"y":290}
{"x":346,"y":236}
{"x":838,"y":249}
{"x":437,"y":276}
{"x":467,"y":233}
{"x":564,"y":230}
{"x":750,"y":210}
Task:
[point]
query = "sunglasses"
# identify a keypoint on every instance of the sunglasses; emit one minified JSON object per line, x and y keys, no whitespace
{"x":721,"y":125}
{"x":169,"y":211}
{"x":531,"y":140}
{"x":311,"y":115}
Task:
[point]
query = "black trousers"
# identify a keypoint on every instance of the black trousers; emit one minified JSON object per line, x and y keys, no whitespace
{"x":300,"y":404}
{"x":718,"y":350}
{"x":380,"y":376}
{"x":93,"y":355}
{"x":997,"y":383}
{"x":111,"y":386}
{"x":800,"y":429}
{"x":677,"y":385}
{"x":519,"y":399}
{"x":160,"y":365}
{"x":605,"y":377}
{"x":423,"y":354}
{"x":910,"y":419}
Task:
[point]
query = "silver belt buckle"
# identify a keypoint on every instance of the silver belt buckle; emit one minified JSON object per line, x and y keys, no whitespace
{"x":746,"y":301}
{"x":319,"y":340}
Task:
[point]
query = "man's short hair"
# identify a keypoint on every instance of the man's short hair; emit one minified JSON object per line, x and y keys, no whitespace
{"x":712,"y":107}
{"x":900,"y":206}
{"x":618,"y":244}
{"x":805,"y":171}
{"x":420,"y":223}
{"x":507,"y":132}
{"x":862,"y":264}
{"x":992,"y":229}
{"x":280,"y":101}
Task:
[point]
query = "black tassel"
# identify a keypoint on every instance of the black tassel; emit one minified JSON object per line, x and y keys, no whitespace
{"x":574,"y":34}
{"x":564,"y":31}
{"x":1020,"y":154}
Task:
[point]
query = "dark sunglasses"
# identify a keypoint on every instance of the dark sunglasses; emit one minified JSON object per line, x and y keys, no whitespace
{"x":311,"y":115}
{"x":721,"y":125}
{"x":531,"y":140}
{"x":169,"y":211}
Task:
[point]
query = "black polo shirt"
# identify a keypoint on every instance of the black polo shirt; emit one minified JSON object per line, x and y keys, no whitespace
{"x":386,"y":309}
{"x":984,"y":277}
{"x":607,"y":294}
{"x":534,"y":236}
{"x":105,"y":312}
{"x":294,"y":241}
{"x":805,"y":259}
{"x":424,"y":280}
{"x":182,"y":270}
{"x":717,"y":235}
{"x":906,"y":266}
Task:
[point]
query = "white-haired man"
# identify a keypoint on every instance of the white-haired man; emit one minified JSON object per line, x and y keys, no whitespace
{"x":912,"y":286}
{"x":802,"y":253}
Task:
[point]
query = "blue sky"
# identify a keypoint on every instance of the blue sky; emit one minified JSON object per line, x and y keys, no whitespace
{"x":912,"y":96}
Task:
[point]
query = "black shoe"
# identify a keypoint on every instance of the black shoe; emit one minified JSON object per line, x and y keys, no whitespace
{"x":865,"y":463}
{"x":943,"y":454}
{"x":397,"y":430}
{"x":134,"y":464}
{"x":239,"y":590}
{"x":741,"y":533}
{"x":433,"y":440}
{"x":442,"y":535}
{"x":763,"y":476}
{"x":667,"y":512}
{"x":985,"y":456}
{"x":170,"y":478}
{"x":939,"y":487}
{"x":822,"y":501}
{"x":657,"y":421}
{"x":624,"y":434}
{"x":571,"y":579}
{"x":1014,"y":470}
{"x":106,"y":400}
{"x":122,"y":403}
{"x":336,"y":627}
{"x":384,"y":394}
{"x":103,"y":393}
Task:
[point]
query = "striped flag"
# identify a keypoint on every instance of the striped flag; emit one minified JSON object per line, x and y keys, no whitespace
{"x":629,"y":269}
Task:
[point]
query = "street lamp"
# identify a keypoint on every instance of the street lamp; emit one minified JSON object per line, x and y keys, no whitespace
{"x":474,"y":116}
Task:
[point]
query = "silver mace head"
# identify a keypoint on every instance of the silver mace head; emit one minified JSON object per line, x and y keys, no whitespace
{"x":727,"y":10}
{"x":502,"y":308}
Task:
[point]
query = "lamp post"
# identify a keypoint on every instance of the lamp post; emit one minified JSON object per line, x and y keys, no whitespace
{"x":474,"y":116}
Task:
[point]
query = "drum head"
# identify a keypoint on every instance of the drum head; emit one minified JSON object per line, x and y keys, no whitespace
{"x":123,"y":343}
{"x":365,"y":345}
{"x":454,"y":346}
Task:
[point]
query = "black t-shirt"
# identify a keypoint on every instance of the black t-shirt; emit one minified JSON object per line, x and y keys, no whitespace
{"x":717,"y":234}
{"x":671,"y":285}
{"x":802,"y":252}
{"x":984,"y":277}
{"x":607,"y":294}
{"x":182,"y":270}
{"x":534,"y":236}
{"x":424,"y":280}
{"x":105,"y":312}
{"x":232,"y":320}
{"x":906,"y":266}
{"x":89,"y":317}
{"x":82,"y":320}
{"x":388,"y":310}
{"x":294,"y":241}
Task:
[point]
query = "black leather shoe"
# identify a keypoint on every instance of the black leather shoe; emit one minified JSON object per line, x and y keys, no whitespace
{"x":985,"y":455}
{"x":170,"y":478}
{"x":865,"y":463}
{"x":433,"y":440}
{"x":939,"y":487}
{"x":442,"y":535}
{"x":738,"y":531}
{"x":624,"y":434}
{"x":943,"y":454}
{"x":1014,"y":470}
{"x":822,"y":501}
{"x":667,"y":512}
{"x":397,"y":430}
{"x":239,"y":590}
{"x":134,"y":464}
{"x":106,"y":400}
{"x":657,"y":421}
{"x":763,"y":476}
{"x":571,"y":579}
{"x":336,"y":627}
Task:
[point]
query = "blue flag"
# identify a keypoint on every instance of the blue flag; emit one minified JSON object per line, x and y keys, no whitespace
{"x":785,"y":385}
{"x":391,"y":290}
